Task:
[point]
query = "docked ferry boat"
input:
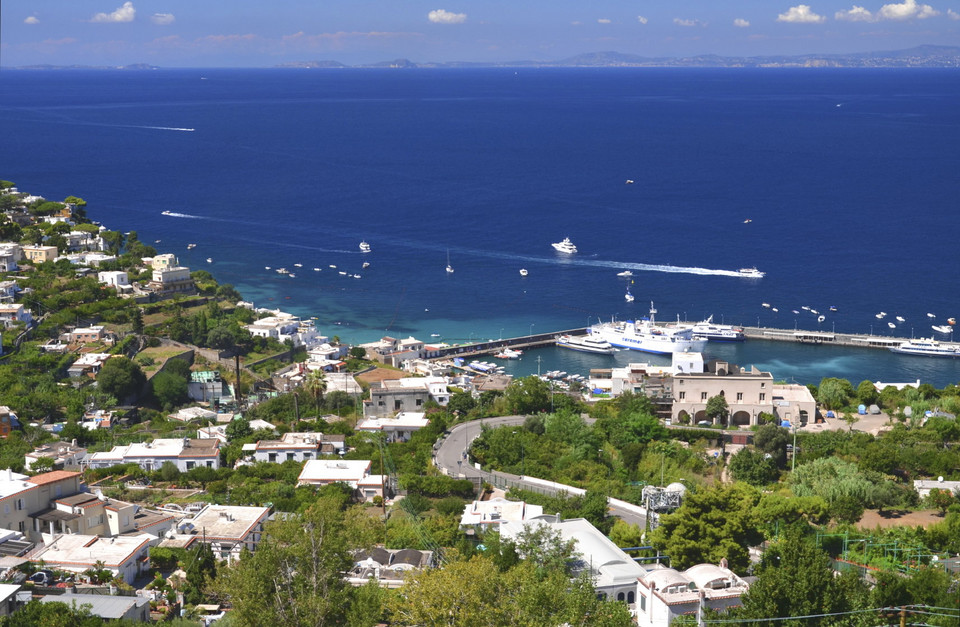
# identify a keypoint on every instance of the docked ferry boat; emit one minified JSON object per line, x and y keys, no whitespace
{"x":927,"y":348}
{"x":585,"y":344}
{"x":647,"y":337}
{"x":713,"y":332}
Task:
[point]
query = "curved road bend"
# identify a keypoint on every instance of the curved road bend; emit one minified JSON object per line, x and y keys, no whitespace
{"x":450,"y":457}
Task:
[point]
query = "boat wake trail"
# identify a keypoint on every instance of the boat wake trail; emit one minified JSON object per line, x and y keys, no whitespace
{"x":166,"y":128}
{"x":618,"y":265}
{"x":174,"y":214}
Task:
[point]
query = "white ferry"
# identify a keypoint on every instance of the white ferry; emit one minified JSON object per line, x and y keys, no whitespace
{"x":751,"y":273}
{"x":709,"y":330}
{"x":928,"y":348}
{"x":647,"y":337}
{"x":585,"y":344}
{"x":566,"y":246}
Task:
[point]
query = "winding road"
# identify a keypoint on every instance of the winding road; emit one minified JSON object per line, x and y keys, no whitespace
{"x":450,"y":456}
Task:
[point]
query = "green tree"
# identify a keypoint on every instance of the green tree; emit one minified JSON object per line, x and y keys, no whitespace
{"x":295,"y":576}
{"x":121,"y":378}
{"x":773,"y":440}
{"x":712,"y":524}
{"x":754,"y":467}
{"x":201,"y":569}
{"x":867,"y":393}
{"x":237,"y":429}
{"x":169,"y":472}
{"x":57,"y":614}
{"x":795,"y":579}
{"x":316,"y":384}
{"x":941,"y":500}
{"x":169,"y":389}
{"x":527,"y":395}
{"x":461,"y":403}
{"x":834,"y":393}
{"x":717,"y":409}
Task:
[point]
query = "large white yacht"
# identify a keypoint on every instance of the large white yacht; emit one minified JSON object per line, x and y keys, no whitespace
{"x":927,"y":348}
{"x":714,"y":332}
{"x":585,"y":344}
{"x":566,"y":246}
{"x":647,"y":337}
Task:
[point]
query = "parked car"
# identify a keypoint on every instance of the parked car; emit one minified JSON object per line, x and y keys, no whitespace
{"x":43,"y":578}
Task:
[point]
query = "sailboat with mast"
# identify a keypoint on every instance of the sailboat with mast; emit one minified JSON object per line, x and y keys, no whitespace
{"x":449,"y":267}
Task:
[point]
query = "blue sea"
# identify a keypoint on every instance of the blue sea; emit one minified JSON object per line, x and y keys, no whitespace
{"x":841,"y":185}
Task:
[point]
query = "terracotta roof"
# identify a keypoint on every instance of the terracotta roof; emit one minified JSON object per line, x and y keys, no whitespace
{"x":50,"y":477}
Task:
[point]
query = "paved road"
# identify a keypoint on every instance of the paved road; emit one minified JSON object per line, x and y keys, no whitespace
{"x":450,"y":457}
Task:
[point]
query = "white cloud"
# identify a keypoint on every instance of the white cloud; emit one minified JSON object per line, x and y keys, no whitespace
{"x":681,"y":22}
{"x":163,"y":19}
{"x":953,"y":15}
{"x":801,"y":14}
{"x":603,"y":20}
{"x":31,"y":20}
{"x":855,"y":14}
{"x":741,"y":23}
{"x":906,"y":10}
{"x":641,"y":19}
{"x":446,"y":17}
{"x":125,"y":13}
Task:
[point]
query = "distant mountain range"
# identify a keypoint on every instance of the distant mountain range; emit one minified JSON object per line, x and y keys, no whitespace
{"x":921,"y":56}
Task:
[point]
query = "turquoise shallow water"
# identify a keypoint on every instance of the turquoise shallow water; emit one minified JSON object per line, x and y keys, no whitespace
{"x":848,"y":179}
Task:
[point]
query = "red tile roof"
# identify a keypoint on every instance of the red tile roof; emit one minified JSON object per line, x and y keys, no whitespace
{"x":50,"y":477}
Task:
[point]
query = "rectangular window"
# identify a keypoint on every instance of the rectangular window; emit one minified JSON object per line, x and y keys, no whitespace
{"x":189,"y":465}
{"x":397,"y":405}
{"x":643,"y":602}
{"x":290,"y":456}
{"x":703,"y":396}
{"x":272,"y":457}
{"x":739,"y":396}
{"x":683,"y":395}
{"x":762,"y":397}
{"x":419,"y":402}
{"x":21,"y":504}
{"x":763,"y":384}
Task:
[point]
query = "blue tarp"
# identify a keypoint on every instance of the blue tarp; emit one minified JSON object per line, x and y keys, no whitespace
{"x":830,"y":414}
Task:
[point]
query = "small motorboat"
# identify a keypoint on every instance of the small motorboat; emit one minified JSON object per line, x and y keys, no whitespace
{"x":523,"y":272}
{"x":891,"y":325}
{"x":625,"y":273}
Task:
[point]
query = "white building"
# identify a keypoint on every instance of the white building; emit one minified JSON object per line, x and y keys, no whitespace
{"x":228,"y":529}
{"x":397,"y":428}
{"x":114,"y":278}
{"x":184,"y":453}
{"x":924,"y":486}
{"x":483,"y":515}
{"x":297,"y":447}
{"x":353,"y":472}
{"x":663,"y":594}
{"x":283,"y":326}
{"x":614,"y":573}
{"x":14,"y":313}
{"x":63,"y":454}
{"x":408,"y":394}
{"x":124,"y":556}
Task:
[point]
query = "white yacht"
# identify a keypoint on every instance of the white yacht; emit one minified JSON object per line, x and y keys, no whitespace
{"x":566,"y":246}
{"x":628,"y":296}
{"x":585,"y":344}
{"x":625,"y":273}
{"x":364,"y":247}
{"x":523,"y":272}
{"x":509,"y":353}
{"x":709,"y":330}
{"x":942,"y":328}
{"x":927,"y":348}
{"x":751,"y":273}
{"x":449,"y":267}
{"x":647,"y":337}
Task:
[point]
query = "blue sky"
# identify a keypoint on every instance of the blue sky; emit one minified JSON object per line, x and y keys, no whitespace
{"x":255,"y":33}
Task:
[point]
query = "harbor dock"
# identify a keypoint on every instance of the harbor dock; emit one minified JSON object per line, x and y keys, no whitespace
{"x":798,"y":336}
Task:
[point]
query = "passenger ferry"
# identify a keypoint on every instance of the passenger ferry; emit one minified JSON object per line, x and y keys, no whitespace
{"x":647,"y":337}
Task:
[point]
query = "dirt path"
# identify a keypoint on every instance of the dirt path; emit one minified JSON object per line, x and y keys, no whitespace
{"x":899,"y":518}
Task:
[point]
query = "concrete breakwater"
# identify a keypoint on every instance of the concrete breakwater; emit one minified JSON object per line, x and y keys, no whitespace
{"x":797,"y":336}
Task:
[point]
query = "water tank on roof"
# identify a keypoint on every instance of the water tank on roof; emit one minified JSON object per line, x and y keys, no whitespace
{"x":676,"y":487}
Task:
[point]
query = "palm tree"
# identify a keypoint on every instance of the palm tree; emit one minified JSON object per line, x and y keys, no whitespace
{"x":316,"y":384}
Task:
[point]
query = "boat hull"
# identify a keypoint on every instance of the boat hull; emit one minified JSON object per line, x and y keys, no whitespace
{"x":578,"y":344}
{"x":650,"y":339}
